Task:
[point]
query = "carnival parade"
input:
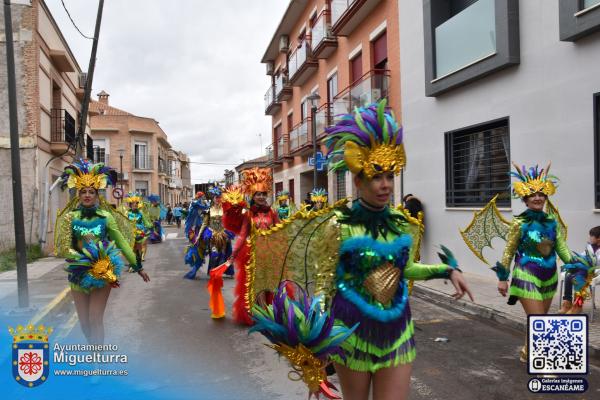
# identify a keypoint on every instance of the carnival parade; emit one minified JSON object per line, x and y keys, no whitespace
{"x":410,"y":211}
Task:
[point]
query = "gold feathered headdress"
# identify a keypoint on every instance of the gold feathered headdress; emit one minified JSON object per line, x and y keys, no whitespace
{"x":83,"y":174}
{"x":533,"y":180}
{"x":370,"y":141}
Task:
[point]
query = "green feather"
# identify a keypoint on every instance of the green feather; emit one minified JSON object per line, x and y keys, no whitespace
{"x":382,"y":121}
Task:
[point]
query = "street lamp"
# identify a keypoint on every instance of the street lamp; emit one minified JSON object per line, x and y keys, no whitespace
{"x":314,"y":103}
{"x":121,"y":154}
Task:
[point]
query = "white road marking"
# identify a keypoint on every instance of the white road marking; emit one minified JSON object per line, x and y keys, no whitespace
{"x":172,"y":235}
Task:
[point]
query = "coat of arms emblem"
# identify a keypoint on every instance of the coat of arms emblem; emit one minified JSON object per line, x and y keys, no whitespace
{"x":30,"y":354}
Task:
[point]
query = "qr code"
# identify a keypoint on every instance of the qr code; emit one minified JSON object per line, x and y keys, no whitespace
{"x":557,"y":344}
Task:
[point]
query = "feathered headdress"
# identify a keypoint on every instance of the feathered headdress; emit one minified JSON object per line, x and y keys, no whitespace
{"x":199,"y":195}
{"x":215,"y":191}
{"x":370,"y":141}
{"x":318,"y":195}
{"x":82,"y":174}
{"x":154,"y":198}
{"x":533,"y":180}
{"x":282,"y":195}
{"x":256,"y":180}
{"x":303,"y":334}
{"x":134,"y":197}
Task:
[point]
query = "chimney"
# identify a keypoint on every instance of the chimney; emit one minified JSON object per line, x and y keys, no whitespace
{"x":103,"y":97}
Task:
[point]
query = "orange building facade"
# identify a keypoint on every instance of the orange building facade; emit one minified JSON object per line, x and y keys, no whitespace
{"x":347,"y":52}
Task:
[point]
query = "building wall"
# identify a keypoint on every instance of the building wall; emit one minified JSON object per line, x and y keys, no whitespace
{"x":550,"y":111}
{"x":384,"y":14}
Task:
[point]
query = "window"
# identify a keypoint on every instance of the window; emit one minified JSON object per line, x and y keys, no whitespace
{"x":468,"y":39}
{"x":478,"y":165}
{"x":597,"y":150}
{"x":332,"y":87}
{"x":141,"y":187}
{"x":340,"y":185}
{"x":100,"y":155}
{"x":278,"y":187}
{"x":356,"y":68}
{"x":379,"y":50}
{"x":291,"y":189}
{"x":141,"y":159}
{"x":278,"y":136}
{"x":303,"y":110}
{"x":578,"y":18}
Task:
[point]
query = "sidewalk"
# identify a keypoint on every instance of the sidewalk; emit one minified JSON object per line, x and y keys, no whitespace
{"x":489,"y":304}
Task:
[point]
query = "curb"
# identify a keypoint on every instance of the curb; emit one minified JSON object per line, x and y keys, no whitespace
{"x":466,"y":307}
{"x":59,"y":304}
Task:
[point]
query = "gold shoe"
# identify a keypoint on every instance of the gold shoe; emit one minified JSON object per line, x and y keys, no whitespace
{"x":523,"y":354}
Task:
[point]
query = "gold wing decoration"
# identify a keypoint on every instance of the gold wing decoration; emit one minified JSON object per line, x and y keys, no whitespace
{"x":303,"y":249}
{"x":486,"y":225}
{"x":417,"y":231}
{"x":553,"y":211}
{"x":63,"y":234}
{"x":125,"y":225}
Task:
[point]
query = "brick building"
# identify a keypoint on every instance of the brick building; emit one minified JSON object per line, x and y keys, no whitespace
{"x":49,"y":94}
{"x":137,"y":147}
{"x":348,"y":53}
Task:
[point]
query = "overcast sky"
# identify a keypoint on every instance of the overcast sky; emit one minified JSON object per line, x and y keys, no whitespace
{"x":193,"y":65}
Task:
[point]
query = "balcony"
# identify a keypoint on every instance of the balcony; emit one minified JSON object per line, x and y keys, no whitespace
{"x":283,"y":89}
{"x":62,"y":131}
{"x":323,"y":42}
{"x":368,"y":89}
{"x":271,"y":105}
{"x":346,"y":15}
{"x":163,"y":168}
{"x":142,"y":162}
{"x":301,"y":64}
{"x":324,"y":119}
{"x":300,"y":136}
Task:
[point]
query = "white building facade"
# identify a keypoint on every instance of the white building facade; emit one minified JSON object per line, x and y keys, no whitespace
{"x":490,"y":82}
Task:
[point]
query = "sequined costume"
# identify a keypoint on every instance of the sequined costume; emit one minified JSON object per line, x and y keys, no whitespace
{"x":92,"y":239}
{"x":154,"y":214}
{"x":534,"y":241}
{"x":142,"y":225}
{"x":195,"y":230}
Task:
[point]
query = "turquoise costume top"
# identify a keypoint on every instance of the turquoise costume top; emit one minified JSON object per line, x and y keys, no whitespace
{"x":375,"y":261}
{"x":534,"y":240}
{"x":142,"y":224}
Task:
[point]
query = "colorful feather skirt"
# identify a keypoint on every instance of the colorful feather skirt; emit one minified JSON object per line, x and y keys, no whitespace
{"x":98,"y":265}
{"x":374,"y":344}
{"x":532,"y":281}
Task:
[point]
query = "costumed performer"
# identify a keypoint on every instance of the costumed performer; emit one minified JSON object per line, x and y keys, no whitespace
{"x":137,"y":214}
{"x":93,"y":236}
{"x":318,"y":197}
{"x":284,"y":210}
{"x":364,"y":287}
{"x":154,"y":214}
{"x":195,"y":230}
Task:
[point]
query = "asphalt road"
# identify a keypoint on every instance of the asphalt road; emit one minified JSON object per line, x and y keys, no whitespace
{"x":166,"y":329}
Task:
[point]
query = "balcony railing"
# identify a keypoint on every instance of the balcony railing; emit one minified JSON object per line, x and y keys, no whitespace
{"x":338,"y":8}
{"x":323,"y":118}
{"x":298,"y":58}
{"x":269,"y":97}
{"x":62,"y":127}
{"x":368,"y":89}
{"x":299,"y":135}
{"x":269,"y":151}
{"x":142,"y":161}
{"x":283,"y":90}
{"x":320,"y":30}
{"x":279,"y":154}
{"x":163,"y":166}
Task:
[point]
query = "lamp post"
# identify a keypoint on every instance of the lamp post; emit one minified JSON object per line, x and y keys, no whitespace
{"x":314,"y":102}
{"x":121,"y":154}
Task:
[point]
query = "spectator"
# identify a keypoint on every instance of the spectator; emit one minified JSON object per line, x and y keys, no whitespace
{"x":177,"y":210}
{"x":169,"y":214}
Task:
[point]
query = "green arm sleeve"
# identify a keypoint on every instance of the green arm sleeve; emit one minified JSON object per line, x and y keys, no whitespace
{"x":115,"y":234}
{"x":146,"y":220}
{"x":421,"y":272}
{"x":561,"y":247}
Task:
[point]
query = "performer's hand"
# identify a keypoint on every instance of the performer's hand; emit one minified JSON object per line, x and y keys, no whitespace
{"x":460,"y":284}
{"x":503,"y":288}
{"x":144,"y":275}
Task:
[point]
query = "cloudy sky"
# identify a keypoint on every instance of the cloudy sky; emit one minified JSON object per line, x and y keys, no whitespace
{"x":193,"y":65}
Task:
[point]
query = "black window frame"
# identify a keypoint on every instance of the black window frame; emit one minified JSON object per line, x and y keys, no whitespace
{"x":503,"y":189}
{"x":597,"y":150}
{"x":574,"y":26}
{"x":507,"y":47}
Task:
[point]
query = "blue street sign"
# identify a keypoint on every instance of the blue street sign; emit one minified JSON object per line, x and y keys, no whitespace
{"x":321,"y":161}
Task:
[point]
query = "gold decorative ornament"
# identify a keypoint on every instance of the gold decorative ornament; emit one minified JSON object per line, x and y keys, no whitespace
{"x":377,"y":159}
{"x":382,"y":282}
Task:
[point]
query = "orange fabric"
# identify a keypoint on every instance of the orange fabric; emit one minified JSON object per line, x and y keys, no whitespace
{"x":214,"y":286}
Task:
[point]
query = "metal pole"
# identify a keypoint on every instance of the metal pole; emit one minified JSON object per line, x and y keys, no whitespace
{"x":313,"y":115}
{"x":88,"y":85}
{"x":122,"y":192}
{"x":15,"y":159}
